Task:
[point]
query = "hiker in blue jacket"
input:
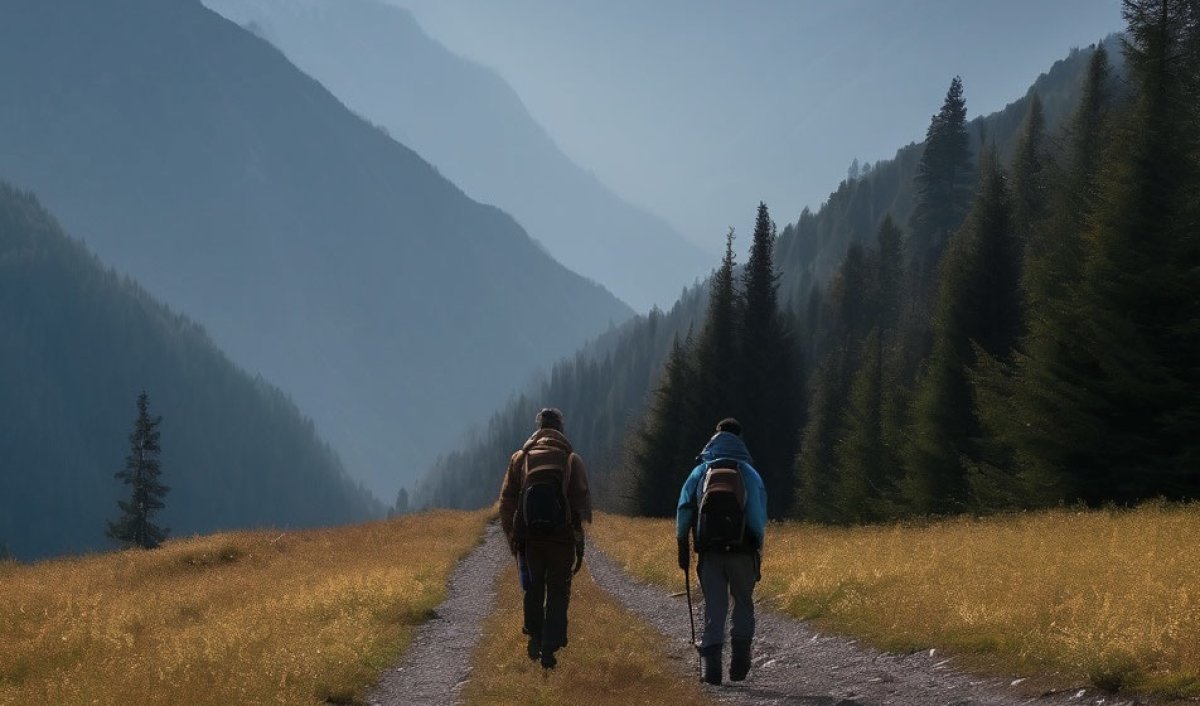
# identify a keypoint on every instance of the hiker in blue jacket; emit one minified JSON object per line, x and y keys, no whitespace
{"x":729,"y":559}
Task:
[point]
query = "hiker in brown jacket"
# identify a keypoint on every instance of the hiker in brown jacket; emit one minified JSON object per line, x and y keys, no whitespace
{"x":543,"y":504}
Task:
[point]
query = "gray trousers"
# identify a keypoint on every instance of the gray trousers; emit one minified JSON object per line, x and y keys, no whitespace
{"x":725,"y":574}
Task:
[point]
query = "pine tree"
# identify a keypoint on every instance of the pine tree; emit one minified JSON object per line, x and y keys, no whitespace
{"x":862,"y":461}
{"x":667,"y":443}
{"x":993,"y":469}
{"x":141,"y":472}
{"x":977,"y":306}
{"x":944,"y":184}
{"x":772,"y":384}
{"x":1029,"y":170}
{"x":1140,"y":391}
{"x":1030,"y":412}
{"x":718,"y":352}
{"x":865,"y":452}
{"x":944,"y":181}
{"x":816,"y":468}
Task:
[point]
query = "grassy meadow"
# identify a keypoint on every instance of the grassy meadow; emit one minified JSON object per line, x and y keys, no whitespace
{"x":613,"y":658}
{"x":1106,"y":597}
{"x":233,"y":618}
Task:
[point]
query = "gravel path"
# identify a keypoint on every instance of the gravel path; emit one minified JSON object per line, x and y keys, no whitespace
{"x":795,"y":665}
{"x":438,"y":663}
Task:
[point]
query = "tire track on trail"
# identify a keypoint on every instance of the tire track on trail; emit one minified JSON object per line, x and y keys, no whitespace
{"x":437,"y":664}
{"x":793,"y":664}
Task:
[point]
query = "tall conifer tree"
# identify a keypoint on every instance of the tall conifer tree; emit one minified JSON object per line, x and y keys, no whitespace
{"x":665,"y":449}
{"x":718,"y":351}
{"x":772,"y":383}
{"x":851,"y":317}
{"x":944,"y":182}
{"x":134,"y":528}
{"x":977,"y":306}
{"x":865,"y":454}
{"x":1029,"y":170}
{"x":1030,"y":413}
{"x":1140,"y":398}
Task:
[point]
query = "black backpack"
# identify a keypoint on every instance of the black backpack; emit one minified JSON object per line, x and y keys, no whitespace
{"x":721,"y":514}
{"x":543,"y":496}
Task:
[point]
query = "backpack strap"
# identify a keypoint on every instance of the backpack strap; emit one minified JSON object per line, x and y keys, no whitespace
{"x":566,"y":484}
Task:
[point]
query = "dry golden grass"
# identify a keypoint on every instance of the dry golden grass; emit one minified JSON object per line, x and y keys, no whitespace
{"x":613,"y":658}
{"x":234,"y":618}
{"x":1108,"y":597}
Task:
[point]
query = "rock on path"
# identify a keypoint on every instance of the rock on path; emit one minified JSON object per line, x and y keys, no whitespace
{"x":438,"y":662}
{"x":795,"y":665}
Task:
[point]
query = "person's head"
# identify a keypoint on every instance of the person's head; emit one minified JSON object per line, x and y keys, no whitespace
{"x":549,"y":418}
{"x":730,"y":425}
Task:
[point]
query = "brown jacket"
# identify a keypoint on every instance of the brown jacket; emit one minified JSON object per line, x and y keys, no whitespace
{"x":543,"y":447}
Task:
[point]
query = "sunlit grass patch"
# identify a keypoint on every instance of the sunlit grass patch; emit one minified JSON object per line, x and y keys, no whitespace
{"x":612,"y":657}
{"x":242,"y":617}
{"x":1109,"y":598}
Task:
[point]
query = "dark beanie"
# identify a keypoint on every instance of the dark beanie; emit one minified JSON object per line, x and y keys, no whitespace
{"x":549,"y":418}
{"x":730,"y":425}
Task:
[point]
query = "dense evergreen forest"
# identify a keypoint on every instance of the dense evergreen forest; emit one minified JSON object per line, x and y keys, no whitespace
{"x":1003,"y":316}
{"x":79,"y":345}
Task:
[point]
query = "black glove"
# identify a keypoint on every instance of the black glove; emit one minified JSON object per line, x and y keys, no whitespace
{"x":516,"y":545}
{"x":578,"y":557}
{"x":685,"y":554}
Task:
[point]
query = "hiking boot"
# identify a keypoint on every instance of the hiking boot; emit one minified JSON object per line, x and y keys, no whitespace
{"x":548,"y":660}
{"x":534,"y":648}
{"x":711,"y":660}
{"x":739,"y":661}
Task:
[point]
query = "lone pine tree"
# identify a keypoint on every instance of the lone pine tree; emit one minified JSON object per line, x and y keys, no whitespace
{"x":134,"y":528}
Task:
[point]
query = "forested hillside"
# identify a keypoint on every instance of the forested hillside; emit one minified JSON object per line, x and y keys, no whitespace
{"x":1042,"y":359}
{"x":79,"y":343}
{"x":319,"y":252}
{"x":601,"y":389}
{"x":806,"y":255}
{"x":812,"y":248}
{"x":997,"y":318}
{"x":470,"y":124}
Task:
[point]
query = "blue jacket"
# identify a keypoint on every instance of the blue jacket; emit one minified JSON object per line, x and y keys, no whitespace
{"x":728,"y":446}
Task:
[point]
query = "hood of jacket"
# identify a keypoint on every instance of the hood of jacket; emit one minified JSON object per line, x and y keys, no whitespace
{"x":726,"y":445}
{"x":549,"y":437}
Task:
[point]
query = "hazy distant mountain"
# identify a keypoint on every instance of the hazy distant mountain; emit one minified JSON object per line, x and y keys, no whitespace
{"x":468,"y":122}
{"x":318,"y":251}
{"x":78,"y":344}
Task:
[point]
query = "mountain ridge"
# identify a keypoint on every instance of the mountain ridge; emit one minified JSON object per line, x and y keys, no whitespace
{"x":464,"y":118}
{"x":317,"y":251}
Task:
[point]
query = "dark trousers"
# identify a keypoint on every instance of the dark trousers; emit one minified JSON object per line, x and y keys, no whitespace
{"x":724,"y":575}
{"x":549,"y":591}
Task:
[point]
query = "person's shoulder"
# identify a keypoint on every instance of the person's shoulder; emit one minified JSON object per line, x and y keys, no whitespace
{"x":751,"y":470}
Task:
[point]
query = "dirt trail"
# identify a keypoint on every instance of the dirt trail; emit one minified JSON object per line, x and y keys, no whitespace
{"x":792,"y":663}
{"x":438,"y":663}
{"x":795,"y":665}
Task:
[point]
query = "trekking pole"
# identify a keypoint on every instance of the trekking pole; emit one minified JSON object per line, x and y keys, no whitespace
{"x":687,"y":584}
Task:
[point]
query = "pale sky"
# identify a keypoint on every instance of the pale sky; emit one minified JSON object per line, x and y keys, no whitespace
{"x":698,"y":110}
